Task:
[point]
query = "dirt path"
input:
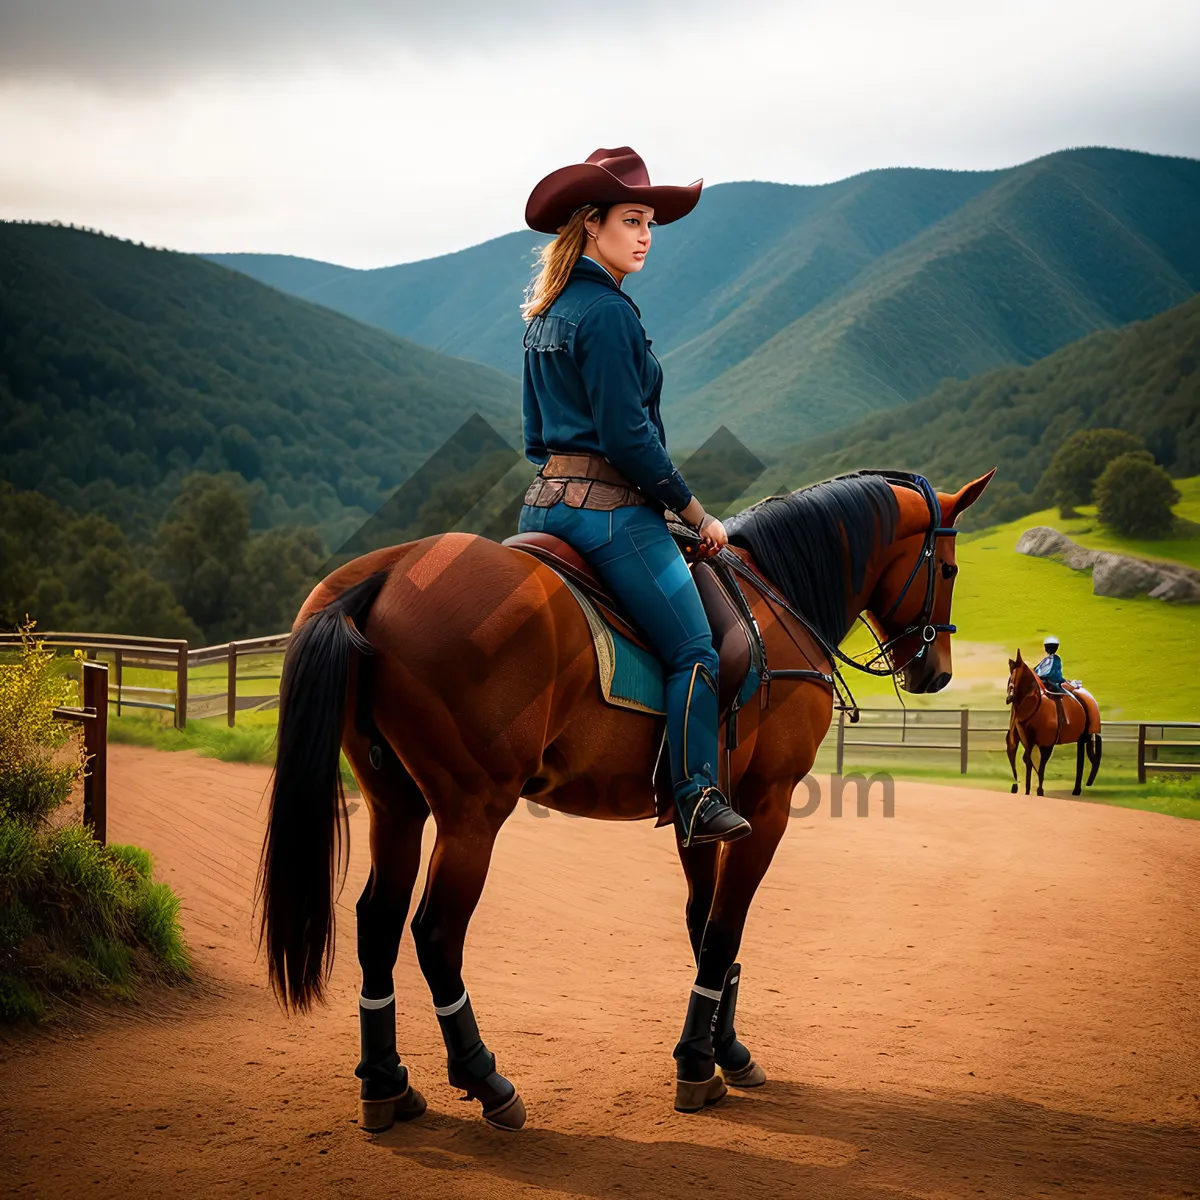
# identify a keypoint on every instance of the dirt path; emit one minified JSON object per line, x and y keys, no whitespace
{"x":982,"y":996}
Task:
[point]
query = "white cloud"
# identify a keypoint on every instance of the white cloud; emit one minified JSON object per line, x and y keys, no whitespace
{"x":422,"y":150}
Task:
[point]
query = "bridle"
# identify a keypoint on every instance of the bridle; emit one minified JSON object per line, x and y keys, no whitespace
{"x":922,"y":626}
{"x":1035,"y":696}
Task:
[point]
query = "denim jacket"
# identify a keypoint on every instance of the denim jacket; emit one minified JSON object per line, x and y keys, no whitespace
{"x":1050,"y":669}
{"x":592,"y":385}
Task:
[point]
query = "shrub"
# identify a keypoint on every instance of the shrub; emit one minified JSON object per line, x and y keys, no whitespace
{"x":1071,"y":475}
{"x":1134,"y":496}
{"x":74,"y":915}
{"x":32,"y":784}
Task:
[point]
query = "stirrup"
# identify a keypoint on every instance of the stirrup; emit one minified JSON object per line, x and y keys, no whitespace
{"x":719,"y":824}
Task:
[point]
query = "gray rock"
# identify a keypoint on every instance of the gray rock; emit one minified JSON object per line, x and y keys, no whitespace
{"x":1123,"y":577}
{"x":1182,"y":588}
{"x":1118,"y":575}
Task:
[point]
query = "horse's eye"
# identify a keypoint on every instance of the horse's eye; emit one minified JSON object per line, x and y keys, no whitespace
{"x":949,"y":570}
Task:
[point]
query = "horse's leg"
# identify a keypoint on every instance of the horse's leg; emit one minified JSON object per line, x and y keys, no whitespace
{"x":700,"y":871}
{"x":1011,"y":741}
{"x":398,"y":813}
{"x":1095,"y":754}
{"x":457,"y":871}
{"x":1044,"y":753}
{"x":710,"y":1016}
{"x":1027,"y":758}
{"x":1080,"y":752}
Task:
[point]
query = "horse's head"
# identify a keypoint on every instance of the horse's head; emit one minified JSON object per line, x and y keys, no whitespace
{"x":911,"y":597}
{"x":1021,"y":680}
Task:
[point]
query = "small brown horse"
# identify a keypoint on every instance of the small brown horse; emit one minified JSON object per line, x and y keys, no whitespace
{"x":1039,"y":720}
{"x":459,"y":675}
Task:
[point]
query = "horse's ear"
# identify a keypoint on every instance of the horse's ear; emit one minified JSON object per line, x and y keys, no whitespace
{"x":1019,"y":659}
{"x":1012,"y":662}
{"x":952,"y":506}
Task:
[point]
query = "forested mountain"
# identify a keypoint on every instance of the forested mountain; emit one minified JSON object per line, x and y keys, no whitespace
{"x":784,"y":311}
{"x":122,"y":369}
{"x":1144,"y":378}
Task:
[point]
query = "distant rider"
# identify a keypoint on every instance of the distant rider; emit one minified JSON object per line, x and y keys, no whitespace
{"x":1050,"y":669}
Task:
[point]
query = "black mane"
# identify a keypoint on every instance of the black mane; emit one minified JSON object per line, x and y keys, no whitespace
{"x":797,"y":541}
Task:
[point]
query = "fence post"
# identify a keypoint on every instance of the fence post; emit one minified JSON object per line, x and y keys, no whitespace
{"x":117,"y":664}
{"x":95,"y":744}
{"x":181,"y":684}
{"x":964,"y":726}
{"x":841,"y":739}
{"x":231,"y":687}
{"x":1142,"y":753}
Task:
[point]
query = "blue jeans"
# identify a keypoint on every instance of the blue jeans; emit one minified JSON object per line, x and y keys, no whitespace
{"x":636,"y":558}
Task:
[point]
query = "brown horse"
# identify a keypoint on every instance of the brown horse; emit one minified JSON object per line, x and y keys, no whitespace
{"x":459,"y":674}
{"x":1041,"y":720}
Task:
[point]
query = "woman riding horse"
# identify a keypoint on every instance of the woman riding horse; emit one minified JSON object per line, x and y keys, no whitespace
{"x":591,"y":393}
{"x":458,"y":675}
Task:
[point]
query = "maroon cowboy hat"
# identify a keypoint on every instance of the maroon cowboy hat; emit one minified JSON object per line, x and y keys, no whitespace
{"x":608,"y":177}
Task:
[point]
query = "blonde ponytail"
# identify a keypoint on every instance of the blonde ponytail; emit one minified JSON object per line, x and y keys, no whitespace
{"x":556,"y":260}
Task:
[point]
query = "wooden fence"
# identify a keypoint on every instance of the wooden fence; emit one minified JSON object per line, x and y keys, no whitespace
{"x":956,"y":732}
{"x":93,"y":715}
{"x":231,"y":652}
{"x":125,"y":650}
{"x":1149,"y":746}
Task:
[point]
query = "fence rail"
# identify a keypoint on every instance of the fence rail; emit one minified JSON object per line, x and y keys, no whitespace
{"x":1155,"y":744}
{"x":127,"y":650}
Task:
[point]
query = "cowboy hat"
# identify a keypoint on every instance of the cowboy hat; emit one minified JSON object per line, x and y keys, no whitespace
{"x":607,"y":177}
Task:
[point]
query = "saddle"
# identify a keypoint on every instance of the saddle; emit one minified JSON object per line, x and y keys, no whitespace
{"x":1058,"y":694}
{"x":736,"y":639}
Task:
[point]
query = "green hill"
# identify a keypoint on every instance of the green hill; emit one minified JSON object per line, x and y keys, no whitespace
{"x":784,"y":311}
{"x":1142,"y":378}
{"x":124,"y":368}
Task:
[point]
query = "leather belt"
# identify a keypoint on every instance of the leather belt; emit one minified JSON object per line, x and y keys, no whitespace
{"x":581,"y":481}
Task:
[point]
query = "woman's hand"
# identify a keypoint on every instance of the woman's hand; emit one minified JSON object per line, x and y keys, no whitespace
{"x":712,"y":534}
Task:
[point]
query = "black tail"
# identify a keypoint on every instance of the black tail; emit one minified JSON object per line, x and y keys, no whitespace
{"x":307,"y":836}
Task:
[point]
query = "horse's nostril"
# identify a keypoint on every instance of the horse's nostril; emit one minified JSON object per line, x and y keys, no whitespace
{"x":940,"y":682}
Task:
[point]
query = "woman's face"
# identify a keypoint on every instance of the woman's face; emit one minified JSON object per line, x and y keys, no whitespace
{"x":622,"y":241}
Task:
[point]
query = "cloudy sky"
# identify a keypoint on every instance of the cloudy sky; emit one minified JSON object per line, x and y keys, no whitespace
{"x":370,"y":132}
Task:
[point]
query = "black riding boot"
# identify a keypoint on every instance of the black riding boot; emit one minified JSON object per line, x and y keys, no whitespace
{"x":473,"y":1067}
{"x":732,"y":1057}
{"x":386,"y":1095}
{"x":702,"y":814}
{"x":696,"y":1080}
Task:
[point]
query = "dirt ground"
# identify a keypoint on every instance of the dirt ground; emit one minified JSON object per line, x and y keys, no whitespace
{"x":985,"y":995}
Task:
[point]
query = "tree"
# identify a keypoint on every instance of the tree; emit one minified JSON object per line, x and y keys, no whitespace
{"x":200,"y":549}
{"x":1134,"y":496}
{"x":1071,"y":475}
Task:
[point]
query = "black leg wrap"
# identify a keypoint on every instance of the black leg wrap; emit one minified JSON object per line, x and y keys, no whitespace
{"x":383,"y":1075}
{"x":731,"y":1055}
{"x":694,"y":1060}
{"x":471,"y":1064}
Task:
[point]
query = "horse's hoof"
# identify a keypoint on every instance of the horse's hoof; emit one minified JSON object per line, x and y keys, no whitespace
{"x":1040,"y":792}
{"x":1014,"y":789}
{"x":509,"y":1115}
{"x":749,"y":1076}
{"x":374,"y":1116}
{"x":692,"y":1097}
{"x":1076,"y":792}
